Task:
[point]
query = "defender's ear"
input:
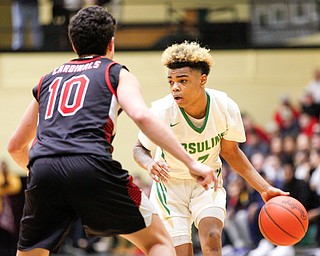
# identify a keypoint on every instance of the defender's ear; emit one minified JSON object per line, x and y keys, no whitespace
{"x":110,"y":48}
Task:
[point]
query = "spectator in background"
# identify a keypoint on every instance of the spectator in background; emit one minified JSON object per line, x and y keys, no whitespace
{"x":285,"y":112}
{"x":309,"y":106}
{"x":25,"y":16}
{"x":299,"y":189}
{"x":272,"y":129}
{"x":301,"y":157}
{"x":273,"y":169}
{"x":276,"y":146}
{"x":315,"y":138}
{"x":113,"y":5}
{"x":288,"y":147}
{"x":254,"y":145}
{"x":303,"y":142}
{"x":315,"y":173}
{"x":63,"y":10}
{"x":257,"y":139}
{"x":289,"y":123}
{"x":301,"y":161}
{"x":273,"y":162}
{"x":250,"y":126}
{"x":236,"y":223}
{"x":307,"y":124}
{"x":10,"y":184}
{"x":258,"y":161}
{"x":314,"y":86}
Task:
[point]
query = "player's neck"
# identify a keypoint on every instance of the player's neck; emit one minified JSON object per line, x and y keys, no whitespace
{"x":88,"y":56}
{"x":198,"y":108}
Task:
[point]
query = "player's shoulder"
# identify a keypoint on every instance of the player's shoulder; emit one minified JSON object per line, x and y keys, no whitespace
{"x":163,"y":103}
{"x":221,"y":98}
{"x":216,"y":93}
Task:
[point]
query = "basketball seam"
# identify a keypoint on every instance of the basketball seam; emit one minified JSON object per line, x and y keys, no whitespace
{"x":292,"y":214}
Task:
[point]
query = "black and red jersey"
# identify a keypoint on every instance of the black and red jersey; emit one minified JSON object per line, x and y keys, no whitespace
{"x":78,"y":108}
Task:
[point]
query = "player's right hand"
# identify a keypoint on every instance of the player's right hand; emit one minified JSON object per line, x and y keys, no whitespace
{"x":159,"y":171}
{"x":273,"y":192}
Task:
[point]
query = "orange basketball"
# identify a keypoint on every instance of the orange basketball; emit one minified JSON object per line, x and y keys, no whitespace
{"x":283,"y":220}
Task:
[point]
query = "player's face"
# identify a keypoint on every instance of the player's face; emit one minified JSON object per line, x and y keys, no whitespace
{"x":186,"y":86}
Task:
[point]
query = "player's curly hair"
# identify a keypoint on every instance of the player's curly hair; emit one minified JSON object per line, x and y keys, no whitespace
{"x":91,"y":29}
{"x":187,"y":54}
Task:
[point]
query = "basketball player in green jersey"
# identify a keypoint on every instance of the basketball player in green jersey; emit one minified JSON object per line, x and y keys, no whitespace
{"x":208,"y":124}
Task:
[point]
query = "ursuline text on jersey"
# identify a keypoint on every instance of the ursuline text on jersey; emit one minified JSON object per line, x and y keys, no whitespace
{"x":198,"y":147}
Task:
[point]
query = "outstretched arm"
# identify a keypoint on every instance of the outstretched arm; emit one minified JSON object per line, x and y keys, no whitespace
{"x":240,"y":163}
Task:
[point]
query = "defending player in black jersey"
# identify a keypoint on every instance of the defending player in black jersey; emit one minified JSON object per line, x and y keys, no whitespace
{"x":72,"y":174}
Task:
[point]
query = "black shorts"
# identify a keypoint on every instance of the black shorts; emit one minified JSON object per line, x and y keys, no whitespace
{"x":62,"y":189}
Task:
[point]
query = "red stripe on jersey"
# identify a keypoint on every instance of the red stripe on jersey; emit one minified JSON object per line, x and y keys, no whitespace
{"x":35,"y":140}
{"x":39,"y":87}
{"x":108,"y":128}
{"x":134,"y":191}
{"x":108,"y":79}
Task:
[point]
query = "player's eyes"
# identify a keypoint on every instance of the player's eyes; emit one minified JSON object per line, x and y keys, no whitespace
{"x":183,"y":81}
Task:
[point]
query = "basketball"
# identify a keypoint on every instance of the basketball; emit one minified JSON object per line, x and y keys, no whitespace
{"x":283,"y":220}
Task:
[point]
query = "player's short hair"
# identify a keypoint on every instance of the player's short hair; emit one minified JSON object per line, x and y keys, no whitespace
{"x":91,"y":30}
{"x":187,"y":54}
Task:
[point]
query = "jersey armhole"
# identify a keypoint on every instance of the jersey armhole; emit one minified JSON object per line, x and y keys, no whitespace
{"x":39,"y":88}
{"x":111,"y":82}
{"x":107,"y":77}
